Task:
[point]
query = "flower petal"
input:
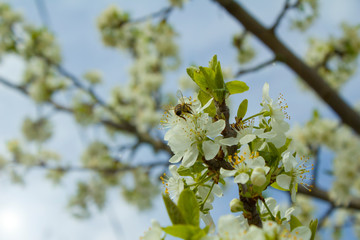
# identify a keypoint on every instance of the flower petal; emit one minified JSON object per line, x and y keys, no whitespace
{"x":247,"y":138}
{"x":242,"y":178}
{"x":217,"y":190}
{"x":176,"y":158}
{"x":173,"y":170}
{"x":265,"y":92}
{"x":301,"y":232}
{"x":210,"y":149}
{"x":206,"y":105}
{"x":283,"y":181}
{"x":229,"y":141}
{"x":190,"y":156}
{"x":215,"y":128}
{"x":227,"y":173}
{"x":270,"y":134}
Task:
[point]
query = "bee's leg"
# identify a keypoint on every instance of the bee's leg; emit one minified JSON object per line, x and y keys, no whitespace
{"x":182,"y":117}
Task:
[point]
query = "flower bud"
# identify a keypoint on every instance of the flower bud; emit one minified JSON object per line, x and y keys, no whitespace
{"x":236,"y":205}
{"x":258,"y":176}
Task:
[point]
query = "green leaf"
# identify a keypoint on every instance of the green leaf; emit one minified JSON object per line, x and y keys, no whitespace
{"x":210,"y":79}
{"x":202,"y":78}
{"x":182,"y":231}
{"x":191,"y":71}
{"x":196,"y":168}
{"x":200,"y":234}
{"x":313,"y":227}
{"x":276,"y":186}
{"x":174,"y":212}
{"x":242,"y":109}
{"x":189,"y":207}
{"x":256,"y":144}
{"x":235,"y":87}
{"x":286,"y":145}
{"x":184,"y":171}
{"x":270,"y":153}
{"x":204,"y":98}
{"x":198,"y":77}
{"x":294,"y":222}
{"x":213,"y":62}
{"x":316,"y":114}
{"x":220,"y":89}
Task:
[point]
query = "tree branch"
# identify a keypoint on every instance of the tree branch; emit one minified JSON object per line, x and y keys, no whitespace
{"x":121,"y":126}
{"x":309,"y":75}
{"x":323,"y":195}
{"x":287,"y":6}
{"x":325,"y":216}
{"x":107,"y":170}
{"x":162,"y":12}
{"x":256,"y":68}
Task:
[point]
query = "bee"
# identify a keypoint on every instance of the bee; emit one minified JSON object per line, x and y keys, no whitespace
{"x":182,"y":107}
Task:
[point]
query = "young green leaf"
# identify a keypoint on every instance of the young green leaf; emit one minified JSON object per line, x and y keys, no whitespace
{"x":189,"y":207}
{"x":235,"y":87}
{"x":182,"y":231}
{"x":204,"y":98}
{"x":286,"y":145}
{"x":313,"y":227}
{"x":242,"y":109}
{"x":294,"y":222}
{"x":191,"y":71}
{"x":198,"y":77}
{"x":184,"y":171}
{"x":174,"y":212}
{"x":213,"y":62}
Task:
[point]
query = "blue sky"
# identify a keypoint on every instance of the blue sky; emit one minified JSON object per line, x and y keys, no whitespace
{"x":38,"y":209}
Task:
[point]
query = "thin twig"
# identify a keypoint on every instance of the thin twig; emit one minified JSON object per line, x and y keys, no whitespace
{"x":43,"y":13}
{"x":121,"y":126}
{"x":107,"y":170}
{"x":286,"y":7}
{"x":256,"y":68}
{"x":316,"y":153}
{"x":162,"y":12}
{"x":324,"y":195}
{"x":325,"y":216}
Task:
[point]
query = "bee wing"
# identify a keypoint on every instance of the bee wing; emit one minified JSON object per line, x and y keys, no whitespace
{"x":180,"y":96}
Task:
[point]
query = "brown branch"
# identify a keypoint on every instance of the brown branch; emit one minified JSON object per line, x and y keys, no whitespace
{"x":121,"y":126}
{"x":327,"y":58}
{"x":324,"y":195}
{"x":162,"y":12}
{"x":316,"y":154}
{"x":250,"y":210}
{"x":256,"y":68}
{"x":287,"y":6}
{"x":325,"y":216}
{"x":309,"y":75}
{"x":106,"y":170}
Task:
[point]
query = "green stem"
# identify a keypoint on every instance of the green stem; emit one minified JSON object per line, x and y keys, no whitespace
{"x":207,"y":196}
{"x":202,"y":181}
{"x":272,"y":216}
{"x":258,"y":114}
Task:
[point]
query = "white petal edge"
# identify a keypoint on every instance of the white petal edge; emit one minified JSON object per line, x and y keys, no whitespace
{"x":283,"y":181}
{"x":215,"y":128}
{"x":210,"y":149}
{"x":242,"y":178}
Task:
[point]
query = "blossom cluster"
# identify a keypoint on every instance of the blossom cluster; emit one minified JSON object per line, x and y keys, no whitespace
{"x":343,"y":143}
{"x":152,"y":46}
{"x":254,"y":151}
